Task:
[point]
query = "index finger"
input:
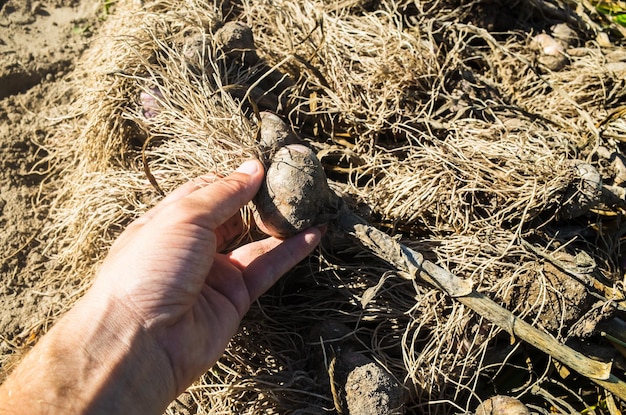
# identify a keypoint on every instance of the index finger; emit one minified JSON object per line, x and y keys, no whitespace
{"x":214,"y":204}
{"x":179,"y":193}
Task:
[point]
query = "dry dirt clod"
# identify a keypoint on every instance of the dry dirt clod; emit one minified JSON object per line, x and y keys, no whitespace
{"x":618,"y":162}
{"x":237,"y":42}
{"x":195,"y":49}
{"x":587,"y":193}
{"x":267,"y":85}
{"x":502,"y":405}
{"x":369,"y":388}
{"x":551,"y":51}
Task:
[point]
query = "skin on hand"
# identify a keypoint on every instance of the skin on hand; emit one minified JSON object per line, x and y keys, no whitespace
{"x":162,"y":309}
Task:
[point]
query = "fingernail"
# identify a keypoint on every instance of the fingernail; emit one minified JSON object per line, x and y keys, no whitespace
{"x":249,"y":167}
{"x":312,"y":237}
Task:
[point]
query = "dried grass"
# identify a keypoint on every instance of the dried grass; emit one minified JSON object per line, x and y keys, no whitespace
{"x":429,"y":126}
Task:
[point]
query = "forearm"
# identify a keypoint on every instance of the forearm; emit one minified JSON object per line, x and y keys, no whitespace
{"x":93,"y":361}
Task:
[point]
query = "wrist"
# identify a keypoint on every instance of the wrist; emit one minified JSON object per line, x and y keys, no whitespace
{"x":96,"y":359}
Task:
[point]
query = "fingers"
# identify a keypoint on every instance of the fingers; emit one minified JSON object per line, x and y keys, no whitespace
{"x":250,"y":167}
{"x":212,"y":205}
{"x":210,"y":200}
{"x":264,"y":262}
{"x":179,"y":193}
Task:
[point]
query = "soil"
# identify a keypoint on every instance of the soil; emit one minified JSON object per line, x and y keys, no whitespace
{"x":38,"y":47}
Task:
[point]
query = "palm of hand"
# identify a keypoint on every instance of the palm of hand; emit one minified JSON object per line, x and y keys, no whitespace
{"x":186,"y":294}
{"x":166,"y":269}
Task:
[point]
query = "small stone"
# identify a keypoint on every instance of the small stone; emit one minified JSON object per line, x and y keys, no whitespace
{"x":551,"y":51}
{"x":502,"y":405}
{"x":563,"y":33}
{"x":548,"y":45}
{"x":603,"y":40}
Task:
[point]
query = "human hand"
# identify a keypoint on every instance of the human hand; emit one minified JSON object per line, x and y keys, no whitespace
{"x":165,"y":302}
{"x":167,"y":267}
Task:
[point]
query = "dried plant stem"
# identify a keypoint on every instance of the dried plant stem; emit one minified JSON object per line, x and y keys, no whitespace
{"x":413,"y":264}
{"x":400,"y":256}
